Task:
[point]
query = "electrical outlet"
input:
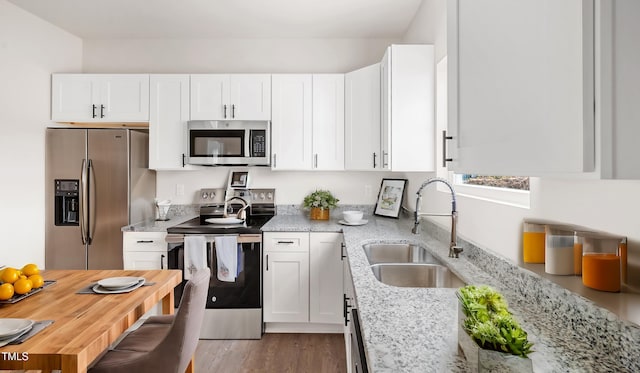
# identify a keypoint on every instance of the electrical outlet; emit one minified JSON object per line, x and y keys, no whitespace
{"x":368,"y":191}
{"x":179,"y":189}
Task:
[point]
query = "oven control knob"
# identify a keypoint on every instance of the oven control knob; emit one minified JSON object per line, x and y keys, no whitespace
{"x":205,"y":195}
{"x":270,"y":196}
{"x":261,"y":195}
{"x":213,"y":299}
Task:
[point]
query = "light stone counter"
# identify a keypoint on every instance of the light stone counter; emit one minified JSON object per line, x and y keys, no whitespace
{"x":415,"y":330}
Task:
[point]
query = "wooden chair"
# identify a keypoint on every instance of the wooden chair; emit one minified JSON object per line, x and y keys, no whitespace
{"x":163,"y":343}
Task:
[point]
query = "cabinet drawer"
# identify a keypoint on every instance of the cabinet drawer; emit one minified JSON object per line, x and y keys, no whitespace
{"x":286,"y":241}
{"x":144,"y":241}
{"x":145,"y":260}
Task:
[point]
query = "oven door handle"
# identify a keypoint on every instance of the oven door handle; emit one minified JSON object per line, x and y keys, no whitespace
{"x":242,"y":238}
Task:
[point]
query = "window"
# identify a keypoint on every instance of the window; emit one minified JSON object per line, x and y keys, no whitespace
{"x":509,"y":182}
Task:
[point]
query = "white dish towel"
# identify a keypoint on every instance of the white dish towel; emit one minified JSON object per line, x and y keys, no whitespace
{"x":227,"y":258}
{"x":195,"y":254}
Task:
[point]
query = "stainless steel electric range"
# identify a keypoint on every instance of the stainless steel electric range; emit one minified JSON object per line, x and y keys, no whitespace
{"x":234,"y":307}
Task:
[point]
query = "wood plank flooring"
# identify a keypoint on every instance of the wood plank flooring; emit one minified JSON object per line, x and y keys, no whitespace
{"x":281,"y":353}
{"x":315,"y":353}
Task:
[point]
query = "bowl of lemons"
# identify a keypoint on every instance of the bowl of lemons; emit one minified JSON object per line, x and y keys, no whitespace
{"x":17,"y":284}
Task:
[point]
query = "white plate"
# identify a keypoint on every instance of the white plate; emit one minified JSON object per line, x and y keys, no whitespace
{"x":224,"y":221}
{"x":11,"y":327}
{"x":100,"y":290}
{"x":117,"y":283}
{"x":361,"y":222}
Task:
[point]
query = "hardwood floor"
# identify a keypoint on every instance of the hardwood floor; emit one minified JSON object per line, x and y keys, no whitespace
{"x":281,"y":353}
{"x":316,"y":353}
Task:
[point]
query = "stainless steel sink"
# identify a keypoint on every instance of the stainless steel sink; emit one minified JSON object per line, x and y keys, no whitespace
{"x":398,"y":253}
{"x":420,"y":275}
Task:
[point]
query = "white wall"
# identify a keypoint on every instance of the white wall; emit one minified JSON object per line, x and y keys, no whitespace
{"x":231,"y":55}
{"x":291,"y":187}
{"x":606,"y":205}
{"x":30,"y":50}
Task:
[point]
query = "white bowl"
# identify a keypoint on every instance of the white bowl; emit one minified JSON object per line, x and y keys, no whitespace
{"x":352,"y":216}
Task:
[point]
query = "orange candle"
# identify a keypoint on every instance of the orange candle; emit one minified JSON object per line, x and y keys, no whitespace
{"x":601,"y":272}
{"x":533,"y":247}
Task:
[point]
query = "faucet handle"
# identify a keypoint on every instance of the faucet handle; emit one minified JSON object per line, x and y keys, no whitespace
{"x":454,"y":251}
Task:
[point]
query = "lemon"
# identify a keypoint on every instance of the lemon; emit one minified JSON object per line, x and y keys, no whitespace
{"x":23,"y":286}
{"x":10,"y":275}
{"x":6,"y":291}
{"x":30,"y":270}
{"x":37,"y":281}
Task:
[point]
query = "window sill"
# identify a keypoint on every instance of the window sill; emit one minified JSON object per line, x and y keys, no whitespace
{"x":510,"y":197}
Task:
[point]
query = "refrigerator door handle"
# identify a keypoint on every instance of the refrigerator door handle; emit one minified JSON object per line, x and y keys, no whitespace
{"x":84,"y":200}
{"x":91,"y":228}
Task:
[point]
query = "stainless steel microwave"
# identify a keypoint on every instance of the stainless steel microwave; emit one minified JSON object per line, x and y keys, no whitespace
{"x":228,"y":143}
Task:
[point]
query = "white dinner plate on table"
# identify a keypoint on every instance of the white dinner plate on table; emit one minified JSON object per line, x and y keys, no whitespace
{"x":361,"y":222}
{"x":12,"y":327}
{"x":117,"y":283}
{"x":224,"y":220}
{"x":101,"y":290}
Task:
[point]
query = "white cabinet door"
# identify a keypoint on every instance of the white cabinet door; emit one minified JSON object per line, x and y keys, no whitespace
{"x":250,"y":96}
{"x":325,"y":278}
{"x":210,"y":97}
{"x":408,"y":114}
{"x":362,"y":119}
{"x":168,"y":116}
{"x":292,"y":122}
{"x":144,"y":260}
{"x":619,"y":79}
{"x":286,"y":287}
{"x":100,"y":98}
{"x":328,"y":121}
{"x":521,"y":96}
{"x":126,"y":98}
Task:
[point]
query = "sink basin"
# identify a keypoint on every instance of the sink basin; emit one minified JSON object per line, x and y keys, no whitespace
{"x":398,"y":253}
{"x":417,"y":275}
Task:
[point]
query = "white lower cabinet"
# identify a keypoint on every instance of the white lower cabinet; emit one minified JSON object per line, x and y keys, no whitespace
{"x":302,"y":279}
{"x":144,"y":251}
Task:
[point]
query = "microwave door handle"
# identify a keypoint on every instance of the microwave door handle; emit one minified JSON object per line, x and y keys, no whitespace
{"x":247,"y":143}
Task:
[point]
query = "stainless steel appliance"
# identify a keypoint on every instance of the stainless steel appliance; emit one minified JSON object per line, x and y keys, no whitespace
{"x":97,"y":181}
{"x":234,"y":309}
{"x":220,"y":143}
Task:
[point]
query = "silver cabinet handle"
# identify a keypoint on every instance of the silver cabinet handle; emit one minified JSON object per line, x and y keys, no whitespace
{"x":274,"y":160}
{"x":287,"y":242}
{"x":162,"y":261}
{"x":233,"y":110}
{"x":101,"y":111}
{"x":315,"y":160}
{"x":385,"y":159}
{"x":444,"y":148}
{"x":224,"y":114}
{"x":267,"y":262}
{"x":93,"y":111}
{"x":374,"y":160}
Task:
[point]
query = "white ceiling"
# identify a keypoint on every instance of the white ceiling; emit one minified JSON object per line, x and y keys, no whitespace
{"x":100,"y":19}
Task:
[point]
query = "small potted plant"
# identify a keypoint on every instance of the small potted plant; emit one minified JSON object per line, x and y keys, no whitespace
{"x":320,"y":202}
{"x":489,"y":336}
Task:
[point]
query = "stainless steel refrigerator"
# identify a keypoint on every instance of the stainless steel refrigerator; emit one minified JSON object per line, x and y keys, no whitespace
{"x":97,"y":181}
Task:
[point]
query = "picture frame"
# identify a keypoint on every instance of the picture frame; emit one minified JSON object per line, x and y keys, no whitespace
{"x":239,"y":179}
{"x":390,"y":197}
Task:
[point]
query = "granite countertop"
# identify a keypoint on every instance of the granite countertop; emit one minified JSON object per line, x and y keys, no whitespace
{"x":158,"y":225}
{"x":415,"y":329}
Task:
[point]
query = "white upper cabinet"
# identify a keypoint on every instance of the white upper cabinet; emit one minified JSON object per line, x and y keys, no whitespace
{"x":100,"y":98}
{"x":408,"y":108}
{"x":168,"y":116}
{"x":308,"y":122}
{"x":328,"y":121}
{"x":618,"y":77}
{"x":230,"y":97}
{"x":362,"y":119}
{"x":520,"y":86}
{"x":291,"y":124}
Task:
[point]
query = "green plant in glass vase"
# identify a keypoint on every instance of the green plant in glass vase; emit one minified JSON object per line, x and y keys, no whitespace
{"x":320,"y":202}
